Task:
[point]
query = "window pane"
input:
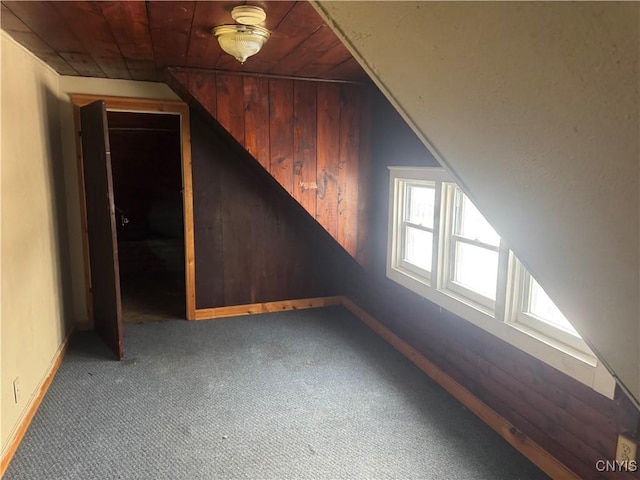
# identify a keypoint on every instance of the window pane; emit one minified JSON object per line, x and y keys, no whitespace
{"x":476,"y":268}
{"x":543,"y":307}
{"x":418,"y":248}
{"x":471,"y":224}
{"x":420,"y":205}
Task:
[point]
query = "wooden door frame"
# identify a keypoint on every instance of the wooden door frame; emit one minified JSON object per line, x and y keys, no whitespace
{"x":138,"y":105}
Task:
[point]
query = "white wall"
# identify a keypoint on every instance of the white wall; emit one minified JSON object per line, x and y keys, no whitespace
{"x":35,"y":300}
{"x":92,"y":86}
{"x":43,"y":287}
{"x":533,"y":106}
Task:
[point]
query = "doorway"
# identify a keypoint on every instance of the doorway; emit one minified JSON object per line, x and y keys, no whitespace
{"x":144,"y":219}
{"x":147,"y":187}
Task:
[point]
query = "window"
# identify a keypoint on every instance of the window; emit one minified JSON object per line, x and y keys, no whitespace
{"x":417,"y":228}
{"x":442,"y":247}
{"x":536,"y":314}
{"x":471,"y":248}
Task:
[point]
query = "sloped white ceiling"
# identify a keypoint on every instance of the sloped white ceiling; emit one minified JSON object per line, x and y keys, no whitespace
{"x":533,"y":106}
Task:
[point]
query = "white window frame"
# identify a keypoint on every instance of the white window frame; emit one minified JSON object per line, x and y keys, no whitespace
{"x":449,"y":238}
{"x":519,"y":317}
{"x":504,"y":318}
{"x":404,"y":224}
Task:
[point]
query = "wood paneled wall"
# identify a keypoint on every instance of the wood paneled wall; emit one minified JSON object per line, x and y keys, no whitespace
{"x":311,"y":136}
{"x":571,"y":421}
{"x":252,"y":243}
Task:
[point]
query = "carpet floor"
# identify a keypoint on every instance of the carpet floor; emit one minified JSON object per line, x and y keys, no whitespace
{"x":300,"y":394}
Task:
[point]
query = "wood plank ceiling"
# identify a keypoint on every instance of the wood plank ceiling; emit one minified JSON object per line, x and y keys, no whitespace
{"x":137,"y":40}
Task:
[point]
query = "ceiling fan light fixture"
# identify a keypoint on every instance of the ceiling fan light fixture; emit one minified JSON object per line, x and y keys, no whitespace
{"x":246,"y":38}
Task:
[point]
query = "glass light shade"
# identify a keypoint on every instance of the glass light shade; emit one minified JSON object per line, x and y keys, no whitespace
{"x":241,"y":41}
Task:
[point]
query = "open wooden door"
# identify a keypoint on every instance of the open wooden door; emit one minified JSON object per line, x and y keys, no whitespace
{"x":101,"y":225}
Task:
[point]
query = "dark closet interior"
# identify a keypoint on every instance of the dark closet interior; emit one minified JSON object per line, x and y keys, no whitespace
{"x":147,"y":182}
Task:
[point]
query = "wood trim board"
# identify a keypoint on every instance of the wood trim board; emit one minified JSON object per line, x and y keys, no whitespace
{"x":32,"y":408}
{"x":256,"y":308}
{"x":83,"y":216}
{"x":148,"y":106}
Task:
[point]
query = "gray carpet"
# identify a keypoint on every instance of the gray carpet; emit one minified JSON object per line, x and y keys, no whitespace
{"x":301,"y":394}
